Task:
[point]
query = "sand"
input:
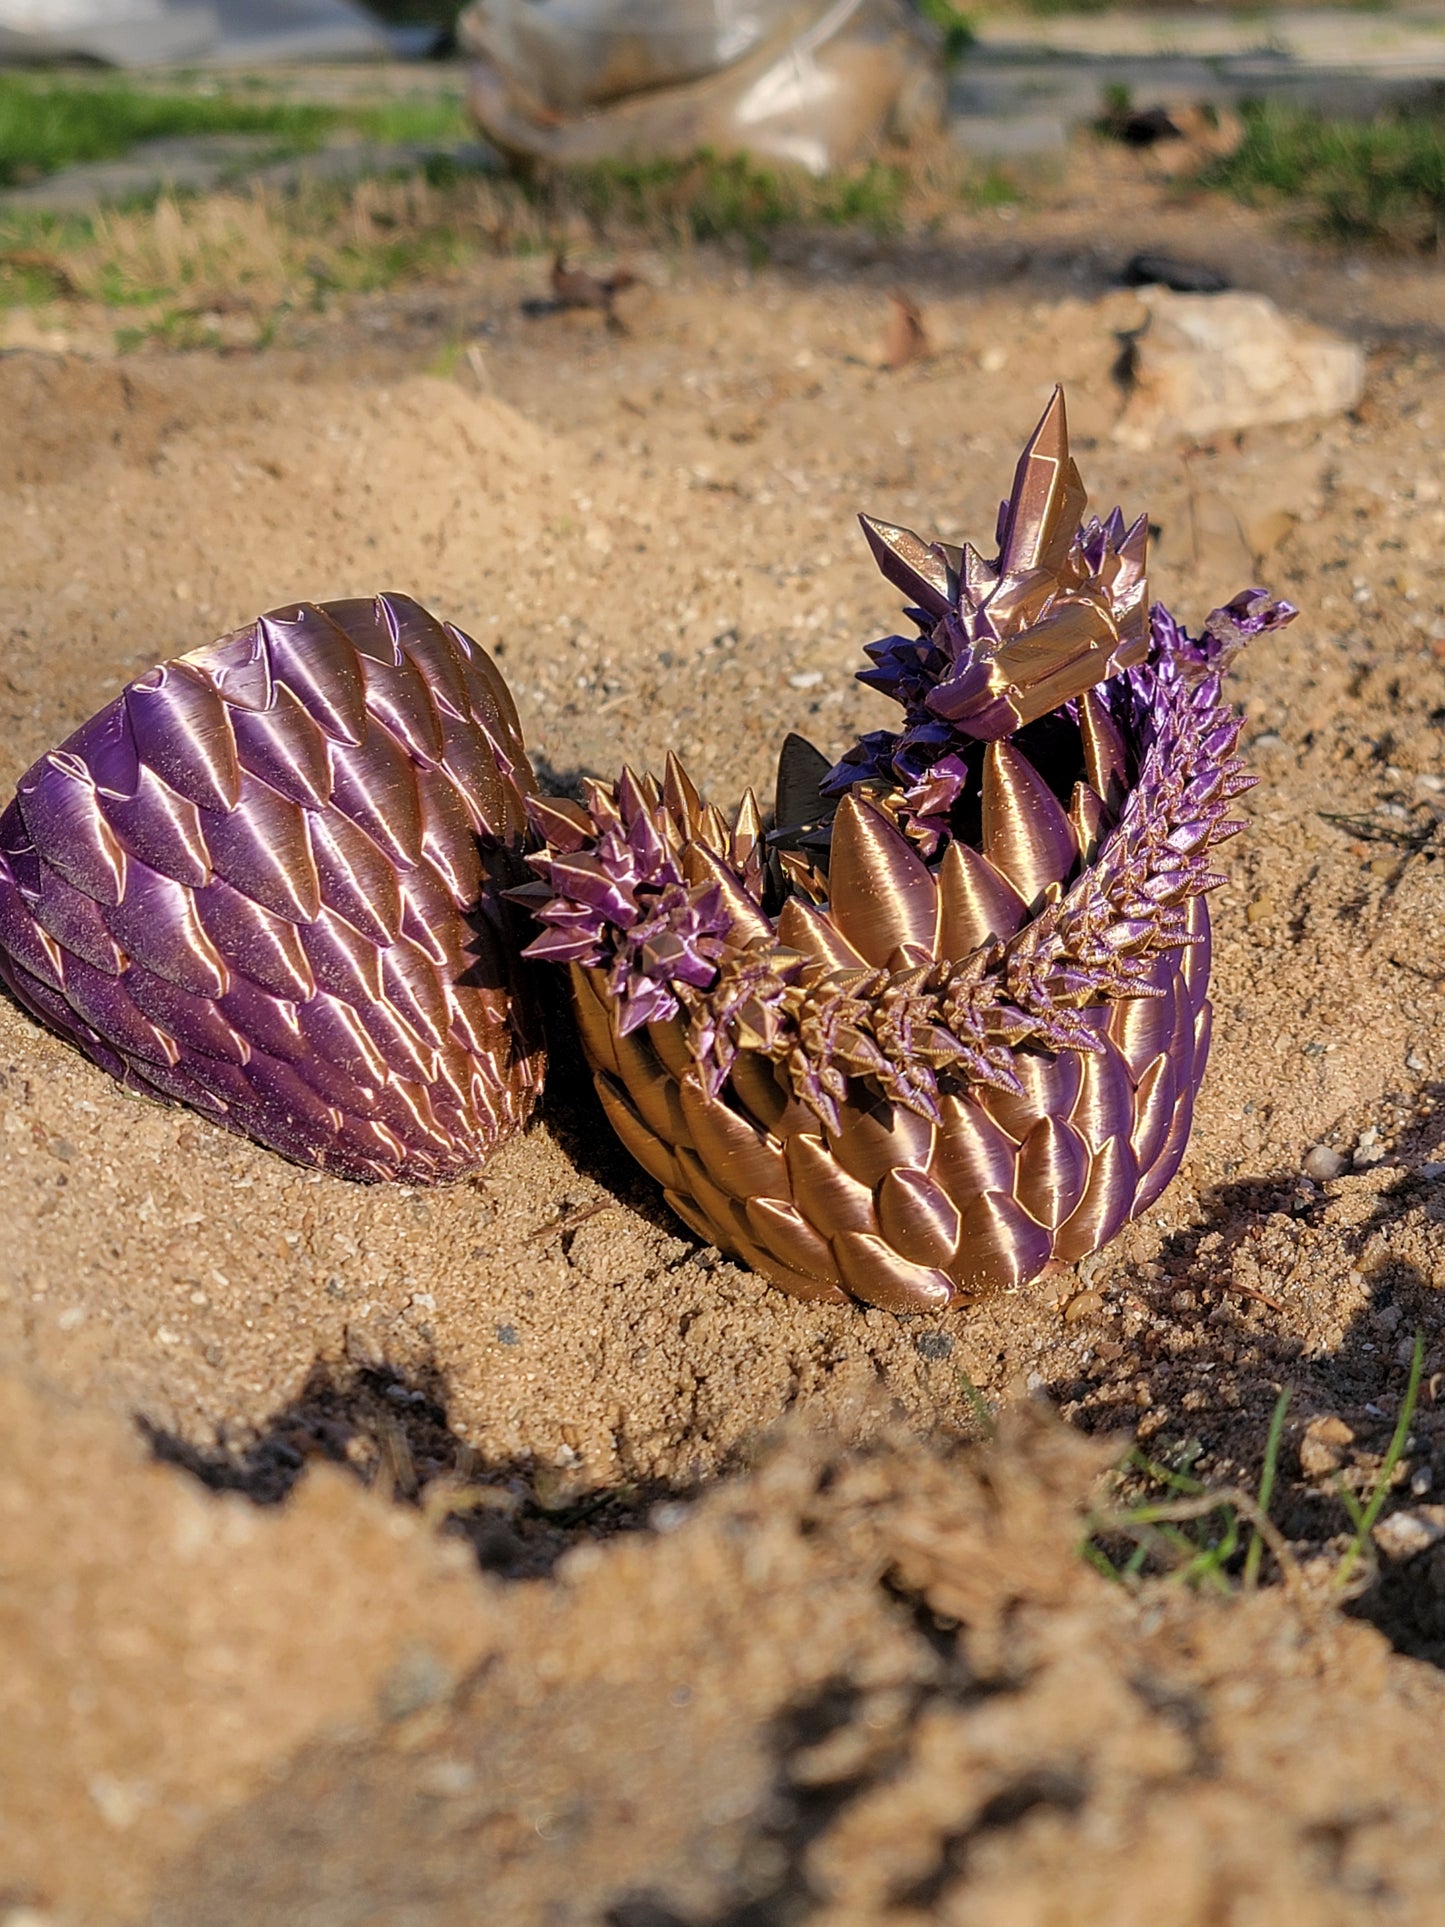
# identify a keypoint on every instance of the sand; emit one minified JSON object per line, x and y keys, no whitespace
{"x":696,"y":1605}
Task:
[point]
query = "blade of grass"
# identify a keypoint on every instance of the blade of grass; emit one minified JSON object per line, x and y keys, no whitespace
{"x":1255,"y":1553}
{"x":1150,"y":1521}
{"x":1134,"y":1564}
{"x":1351,"y":1504}
{"x":1096,"y":1557}
{"x":1365,"y":1524}
{"x":1165,"y":1475}
{"x":979,"y":1405}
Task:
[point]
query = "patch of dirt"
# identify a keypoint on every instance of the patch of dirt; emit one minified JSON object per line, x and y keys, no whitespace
{"x":856,"y":1686}
{"x":653,"y":531}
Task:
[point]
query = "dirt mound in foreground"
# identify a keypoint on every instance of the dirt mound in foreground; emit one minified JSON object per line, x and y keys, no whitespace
{"x":858,"y":1683}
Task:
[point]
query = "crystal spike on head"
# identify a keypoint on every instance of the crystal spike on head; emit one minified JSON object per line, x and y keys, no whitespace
{"x":946,"y":1021}
{"x":266,"y":880}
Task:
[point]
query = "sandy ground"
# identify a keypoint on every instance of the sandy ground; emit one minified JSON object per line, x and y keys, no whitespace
{"x":860,"y":1674}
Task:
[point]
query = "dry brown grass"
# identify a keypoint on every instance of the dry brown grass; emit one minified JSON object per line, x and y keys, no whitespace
{"x":226,"y":268}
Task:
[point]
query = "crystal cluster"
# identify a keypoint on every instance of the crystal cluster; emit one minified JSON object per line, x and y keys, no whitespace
{"x":266,"y":880}
{"x":946,"y":1021}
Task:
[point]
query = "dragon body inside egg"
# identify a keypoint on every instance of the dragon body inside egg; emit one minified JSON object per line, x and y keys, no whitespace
{"x":947,"y":1021}
{"x":266,"y":881}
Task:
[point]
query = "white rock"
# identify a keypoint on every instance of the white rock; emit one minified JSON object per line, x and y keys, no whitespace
{"x":1322,"y":1163}
{"x":1405,"y":1533}
{"x":1207,"y":363}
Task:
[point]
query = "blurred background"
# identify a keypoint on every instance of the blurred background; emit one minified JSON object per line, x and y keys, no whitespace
{"x":524,"y":123}
{"x":815,"y":85}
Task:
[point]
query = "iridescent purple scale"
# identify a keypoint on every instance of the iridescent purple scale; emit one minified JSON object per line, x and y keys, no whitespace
{"x":182,"y":731}
{"x":76,"y":922}
{"x":282,"y":746}
{"x":310,"y":654}
{"x":445,"y":658}
{"x":373,"y":784}
{"x":356,"y":881}
{"x":104,"y":1003}
{"x":427,"y":920}
{"x":410,"y":985}
{"x":156,"y":924}
{"x":264,"y":948}
{"x":62,"y":816}
{"x":398,"y":698}
{"x":23,"y":941}
{"x":469,"y":760}
{"x":152,"y":822}
{"x":183,"y":1086}
{"x":195,"y":1022}
{"x":262,"y":848}
{"x":448,"y":842}
{"x":1169,"y":1157}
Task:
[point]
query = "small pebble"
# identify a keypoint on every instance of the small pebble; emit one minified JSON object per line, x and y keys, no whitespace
{"x":933,"y":1345}
{"x":364,"y":1348}
{"x":1410,"y":1531}
{"x":447,"y":1778}
{"x":1322,"y":1163}
{"x":1083,"y":1304}
{"x":418,"y":1679}
{"x":1369,"y":1150}
{"x":1322,"y":1449}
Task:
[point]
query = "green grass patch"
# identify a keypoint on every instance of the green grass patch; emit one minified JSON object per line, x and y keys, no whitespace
{"x":952,"y":22}
{"x":48,"y":125}
{"x":1051,"y":9}
{"x":257,"y":253}
{"x":412,"y":120}
{"x":713,"y":196}
{"x":1195,"y":1533}
{"x":1191,"y":1531}
{"x":1379,"y":181}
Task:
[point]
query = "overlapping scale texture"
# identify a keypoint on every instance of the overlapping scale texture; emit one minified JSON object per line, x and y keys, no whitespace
{"x":947,"y":1020}
{"x":267,"y":881}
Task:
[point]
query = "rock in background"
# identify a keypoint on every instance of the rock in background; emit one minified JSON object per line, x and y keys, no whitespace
{"x":1207,"y":363}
